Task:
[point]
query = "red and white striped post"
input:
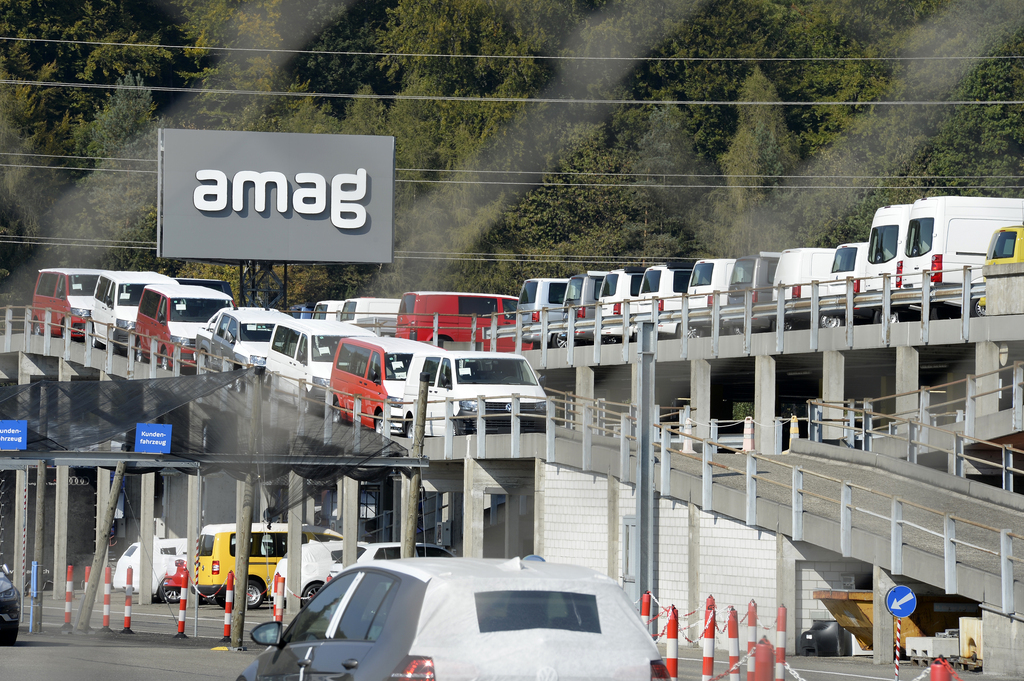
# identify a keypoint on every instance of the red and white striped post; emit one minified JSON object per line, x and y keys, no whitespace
{"x":128,"y":605}
{"x":69,"y":595}
{"x":278,"y":598}
{"x":85,"y":583}
{"x":708,"y":668}
{"x":645,"y":609}
{"x":106,"y":599}
{"x":751,"y":637}
{"x":748,"y":434}
{"x":896,"y":646}
{"x":733,"y":631}
{"x":672,"y":643}
{"x":182,"y":609}
{"x":780,"y":645}
{"x":229,"y":601}
{"x":763,"y":660}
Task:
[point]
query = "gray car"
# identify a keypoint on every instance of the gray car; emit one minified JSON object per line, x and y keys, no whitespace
{"x":10,"y":609}
{"x":457,"y":619}
{"x":581,"y":295}
{"x":536,"y":295}
{"x":234,"y":339}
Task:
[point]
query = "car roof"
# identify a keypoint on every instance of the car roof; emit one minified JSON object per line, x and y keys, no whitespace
{"x":257,"y":314}
{"x":138,"y":277}
{"x":460,"y":293}
{"x":389,"y":344}
{"x":469,"y":354}
{"x":73,"y":270}
{"x":517,"y":569}
{"x":265,"y":527}
{"x":326,"y":327}
{"x":188,"y":291}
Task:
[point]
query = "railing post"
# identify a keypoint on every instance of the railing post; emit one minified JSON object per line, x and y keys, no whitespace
{"x":815,"y":322}
{"x":625,"y":332}
{"x":851,"y":425}
{"x":1007,"y":468}
{"x":385,"y":419}
{"x":47,"y":331}
{"x":176,"y":361}
{"x":965,"y":305}
{"x":849,"y":312}
{"x":896,"y":537}
{"x":949,"y":552}
{"x":924,"y":415}
{"x":357,"y":419}
{"x":570,"y":337}
{"x":472,"y":333}
{"x":684,"y":328}
{"x":587,"y":437}
{"x":666,"y":460}
{"x":598,"y":313}
{"x":1006,"y":571}
{"x":494,"y":332}
{"x":109,"y":365}
{"x":544,"y":337}
{"x":751,"y":519}
{"x":970,"y":405}
{"x":798,"y":504}
{"x":716,"y":323}
{"x":131,"y":355}
{"x":449,"y":428}
{"x":654,"y":321}
{"x":958,"y":456}
{"x":624,"y":429}
{"x":27,"y":331}
{"x":328,"y":407}
{"x":8,"y":331}
{"x":886,"y":307}
{"x":67,"y":338}
{"x":779,"y":430}
{"x":846,"y":519}
{"x":912,"y":441}
{"x":517,"y":427}
{"x":434,"y":339}
{"x":780,"y":319}
{"x":926,"y":306}
{"x":153,"y":359}
{"x":748,"y":318}
{"x":549,"y":430}
{"x":481,"y":428}
{"x":1018,"y":396}
{"x":866,"y":422}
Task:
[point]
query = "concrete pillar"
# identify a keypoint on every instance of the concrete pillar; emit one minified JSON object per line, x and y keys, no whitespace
{"x":700,"y":396}
{"x":64,"y":371}
{"x":785,"y":587}
{"x":614,"y":522}
{"x":473,"y":539}
{"x":882,"y":629}
{"x":585,"y":382}
{"x":146,"y":534}
{"x":539,"y":475}
{"x":986,"y":359}
{"x":60,"y":528}
{"x":833,"y":388}
{"x":193,"y":517}
{"x":24,"y":369}
{"x":293,"y":578}
{"x":512,"y":539}
{"x":21,"y":529}
{"x":907,"y":380}
{"x":694,"y":598}
{"x":1004,"y":644}
{"x":764,"y":404}
{"x":350,"y":519}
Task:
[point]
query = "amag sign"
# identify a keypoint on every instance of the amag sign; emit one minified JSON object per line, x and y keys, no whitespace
{"x":280,"y":197}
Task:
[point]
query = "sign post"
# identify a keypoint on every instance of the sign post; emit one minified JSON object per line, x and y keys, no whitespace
{"x":901,"y":602}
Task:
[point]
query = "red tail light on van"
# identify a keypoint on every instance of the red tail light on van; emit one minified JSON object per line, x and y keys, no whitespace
{"x":711,"y":299}
{"x":753,"y":296}
{"x":937,"y":268}
{"x":581,"y":313}
{"x":535,"y":317}
{"x":661,"y":306}
{"x":899,"y":274}
{"x":796,"y":291}
{"x":617,"y":308}
{"x":856,"y":286}
{"x":215,"y":567}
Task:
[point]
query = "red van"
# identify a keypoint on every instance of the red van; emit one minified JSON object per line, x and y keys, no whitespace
{"x":455,"y":317}
{"x":64,"y":290}
{"x":174,"y":313}
{"x":375,"y":369}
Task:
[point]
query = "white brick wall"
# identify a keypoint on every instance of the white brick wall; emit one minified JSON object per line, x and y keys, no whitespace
{"x":819,"y":575}
{"x":576,"y":518}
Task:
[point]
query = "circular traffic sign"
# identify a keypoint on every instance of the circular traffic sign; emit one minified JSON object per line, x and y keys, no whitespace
{"x":901,"y":601}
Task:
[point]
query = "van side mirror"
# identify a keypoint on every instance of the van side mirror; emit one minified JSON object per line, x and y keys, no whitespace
{"x":445,"y":382}
{"x":375,"y":376}
{"x":267,"y":634}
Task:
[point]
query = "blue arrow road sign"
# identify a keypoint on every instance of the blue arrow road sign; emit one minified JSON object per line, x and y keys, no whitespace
{"x":901,"y":601}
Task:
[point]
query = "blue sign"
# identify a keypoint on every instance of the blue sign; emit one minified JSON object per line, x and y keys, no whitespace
{"x":153,"y":438}
{"x":13,"y":435}
{"x":901,"y":601}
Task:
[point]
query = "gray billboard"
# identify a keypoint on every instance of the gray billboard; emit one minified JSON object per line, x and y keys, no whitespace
{"x":282,"y":197}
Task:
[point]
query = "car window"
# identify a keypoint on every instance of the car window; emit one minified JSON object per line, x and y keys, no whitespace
{"x":883,"y":243}
{"x":374,"y":374}
{"x":701,"y":275}
{"x":348,"y":311}
{"x":161,"y":309}
{"x":301,"y":354}
{"x":233,"y":328}
{"x":396,"y":366}
{"x":83,"y":284}
{"x":322,"y":347}
{"x":206,"y":545}
{"x":556,"y":292}
{"x":919,"y":237}
{"x":131,"y":550}
{"x":743,"y":272}
{"x":47,"y":284}
{"x":651,"y":282}
{"x":129,"y":294}
{"x":574,"y":291}
{"x":353,"y":359}
{"x":368,"y":608}
{"x":680,"y":280}
{"x":446,"y":373}
{"x":320,"y":311}
{"x":518,"y":610}
{"x":435,"y":552}
{"x":253,"y":332}
{"x":196,"y":309}
{"x":1002,"y":245}
{"x":103,"y":291}
{"x":148,"y":304}
{"x":610,"y":282}
{"x":285,"y":341}
{"x":634,"y":284}
{"x":478,"y":305}
{"x":222,"y":328}
{"x":168,"y":551}
{"x":389,"y":553}
{"x":62,"y":285}
{"x":313,"y":621}
{"x":492,"y":371}
{"x":529,"y":293}
{"x":845,"y":260}
{"x":430,"y":365}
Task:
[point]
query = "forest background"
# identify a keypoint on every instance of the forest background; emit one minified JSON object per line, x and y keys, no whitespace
{"x":533,"y":137}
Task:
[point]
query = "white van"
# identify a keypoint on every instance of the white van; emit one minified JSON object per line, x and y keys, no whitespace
{"x":619,"y":285}
{"x":117,"y":302}
{"x":465,"y":375}
{"x":377,"y":314}
{"x":328,"y":309}
{"x":850,"y":262}
{"x":303,"y":350}
{"x":669,"y":284}
{"x":710,"y":277}
{"x":534,"y":296}
{"x":885,"y":244}
{"x":949,"y":232}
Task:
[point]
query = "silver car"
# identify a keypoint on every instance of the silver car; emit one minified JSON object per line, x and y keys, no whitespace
{"x":456,"y":619}
{"x":10,"y":609}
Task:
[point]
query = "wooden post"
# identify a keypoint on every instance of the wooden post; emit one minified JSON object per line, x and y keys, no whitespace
{"x":413,"y":497}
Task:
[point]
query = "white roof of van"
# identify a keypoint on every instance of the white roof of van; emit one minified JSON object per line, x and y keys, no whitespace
{"x":326,"y":327}
{"x":73,"y":270}
{"x":264,"y":527}
{"x":188,"y":291}
{"x":138,"y":278}
{"x":258,"y":314}
{"x":390,"y":344}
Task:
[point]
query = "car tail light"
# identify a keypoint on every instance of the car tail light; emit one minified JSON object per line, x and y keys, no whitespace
{"x":661,"y":306}
{"x":421,"y":668}
{"x":179,"y":563}
{"x":937,"y":268}
{"x":711,"y":299}
{"x":581,"y":313}
{"x":215,"y":568}
{"x":753,"y":296}
{"x":617,"y":308}
{"x":659,"y":670}
{"x":856,"y":286}
{"x":328,"y":579}
{"x":796,"y":291}
{"x":899,"y":274}
{"x":535,"y":317}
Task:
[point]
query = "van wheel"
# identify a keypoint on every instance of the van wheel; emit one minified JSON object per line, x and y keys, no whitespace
{"x":829,"y":322}
{"x":165,"y":361}
{"x":976,"y":309}
{"x":254,"y":593}
{"x":336,"y":411}
{"x":139,"y":357}
{"x":407,"y":426}
{"x":378,"y":422}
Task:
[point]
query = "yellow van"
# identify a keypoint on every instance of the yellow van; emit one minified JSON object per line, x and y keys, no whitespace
{"x":269,"y":543}
{"x":1006,"y":246}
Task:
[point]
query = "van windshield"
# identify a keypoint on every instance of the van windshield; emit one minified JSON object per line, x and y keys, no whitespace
{"x":323,"y":347}
{"x":396,"y":365}
{"x":574,"y":291}
{"x":83,"y":284}
{"x":919,"y":237}
{"x":256,"y":333}
{"x":845,"y":260}
{"x":348,"y":311}
{"x":743,"y":272}
{"x":196,"y":309}
{"x":883,"y":243}
{"x":129,"y":294}
{"x":652,"y":280}
{"x":494,"y":371}
{"x":702,"y":274}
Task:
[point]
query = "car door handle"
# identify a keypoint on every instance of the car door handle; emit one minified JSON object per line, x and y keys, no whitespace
{"x":350,"y":663}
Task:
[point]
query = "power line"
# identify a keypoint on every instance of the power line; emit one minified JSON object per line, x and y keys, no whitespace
{"x":501,"y":100}
{"x":539,"y":57}
{"x":89,"y":170}
{"x":85,"y":158}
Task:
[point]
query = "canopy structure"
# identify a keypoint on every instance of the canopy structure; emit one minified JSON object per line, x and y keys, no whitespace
{"x":212,"y":417}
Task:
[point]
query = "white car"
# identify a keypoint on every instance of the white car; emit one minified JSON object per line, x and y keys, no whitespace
{"x":619,"y":286}
{"x":165,"y":552}
{"x":116,"y":303}
{"x":391,"y":550}
{"x":317,"y":559}
{"x":241,"y":336}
